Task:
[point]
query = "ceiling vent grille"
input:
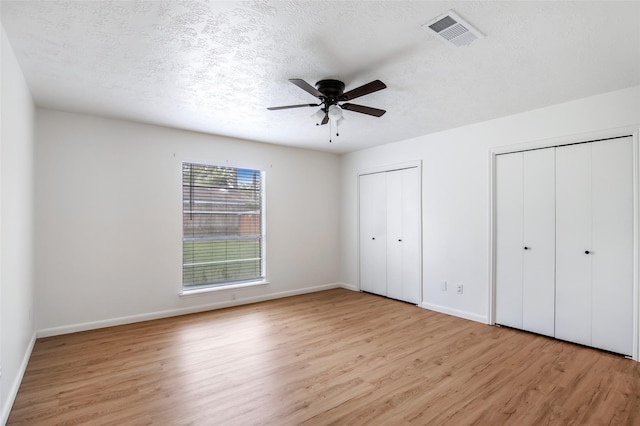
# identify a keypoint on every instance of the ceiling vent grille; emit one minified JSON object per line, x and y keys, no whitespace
{"x":452,"y":29}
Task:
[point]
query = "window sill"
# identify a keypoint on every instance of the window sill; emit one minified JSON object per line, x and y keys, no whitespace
{"x":184,"y":293}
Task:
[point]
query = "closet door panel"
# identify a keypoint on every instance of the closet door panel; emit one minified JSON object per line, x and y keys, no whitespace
{"x":538,"y":285}
{"x":573,"y":238}
{"x":394,"y":234}
{"x":411,"y":236}
{"x":612,"y":258}
{"x":509,"y":249}
{"x":373,"y":233}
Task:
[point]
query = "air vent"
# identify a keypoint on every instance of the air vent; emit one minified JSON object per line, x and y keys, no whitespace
{"x":452,"y":29}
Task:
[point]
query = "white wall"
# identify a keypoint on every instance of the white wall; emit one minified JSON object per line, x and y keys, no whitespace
{"x":455,"y":192}
{"x":16,"y":227}
{"x":109,"y":219}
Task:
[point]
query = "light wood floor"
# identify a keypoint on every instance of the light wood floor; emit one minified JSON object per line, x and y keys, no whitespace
{"x":335,"y":357}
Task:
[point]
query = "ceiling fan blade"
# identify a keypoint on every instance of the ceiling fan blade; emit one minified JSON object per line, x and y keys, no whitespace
{"x":365,"y":89}
{"x":325,"y":120}
{"x":364,"y":109}
{"x":292,"y":106}
{"x":306,"y":87}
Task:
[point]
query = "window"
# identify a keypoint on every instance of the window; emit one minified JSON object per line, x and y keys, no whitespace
{"x":222,"y":226}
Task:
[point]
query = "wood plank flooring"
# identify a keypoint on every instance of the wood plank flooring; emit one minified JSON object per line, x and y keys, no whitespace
{"x":334,"y":357}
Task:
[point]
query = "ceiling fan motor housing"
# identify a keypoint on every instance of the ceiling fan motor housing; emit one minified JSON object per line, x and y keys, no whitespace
{"x":332,"y":91}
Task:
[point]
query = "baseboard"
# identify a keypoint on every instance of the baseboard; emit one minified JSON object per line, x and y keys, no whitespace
{"x":455,"y":312}
{"x":74,"y":328}
{"x":348,"y":286}
{"x":15,"y":386}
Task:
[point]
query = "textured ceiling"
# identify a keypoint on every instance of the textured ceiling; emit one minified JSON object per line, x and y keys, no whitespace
{"x":214,"y":67}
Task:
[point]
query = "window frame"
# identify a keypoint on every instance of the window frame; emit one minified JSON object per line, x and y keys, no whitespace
{"x":230,"y":285}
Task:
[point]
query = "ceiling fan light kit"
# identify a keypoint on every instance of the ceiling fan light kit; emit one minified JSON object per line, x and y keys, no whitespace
{"x":335,"y":113}
{"x":331,"y":94}
{"x":318,"y":116}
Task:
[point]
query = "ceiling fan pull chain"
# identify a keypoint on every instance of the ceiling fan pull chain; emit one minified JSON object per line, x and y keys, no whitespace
{"x":330,"y":130}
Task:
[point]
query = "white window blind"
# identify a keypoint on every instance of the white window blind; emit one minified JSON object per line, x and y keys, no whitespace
{"x":222,"y":226}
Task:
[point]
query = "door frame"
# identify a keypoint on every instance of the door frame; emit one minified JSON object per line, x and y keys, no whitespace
{"x":632,"y":131}
{"x":383,"y":169}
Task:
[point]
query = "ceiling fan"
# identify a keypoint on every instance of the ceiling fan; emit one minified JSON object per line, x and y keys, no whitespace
{"x":331,"y":95}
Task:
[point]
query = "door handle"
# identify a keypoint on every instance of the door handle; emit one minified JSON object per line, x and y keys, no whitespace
{"x":587,"y":252}
{"x":526,"y":248}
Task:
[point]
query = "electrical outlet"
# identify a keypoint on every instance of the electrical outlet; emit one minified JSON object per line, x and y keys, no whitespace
{"x":443,"y":286}
{"x":459,"y":288}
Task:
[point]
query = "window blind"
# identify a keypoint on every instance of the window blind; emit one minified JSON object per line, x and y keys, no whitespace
{"x":222,"y":225}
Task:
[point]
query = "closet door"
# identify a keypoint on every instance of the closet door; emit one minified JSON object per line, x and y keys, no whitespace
{"x":373,"y":233}
{"x":394,"y":233}
{"x":403,"y":232}
{"x":594,"y":290}
{"x":573,"y":243}
{"x":509,"y":239}
{"x":411,"y":236}
{"x":539,"y":241}
{"x":525,"y":240}
{"x":612,"y":245}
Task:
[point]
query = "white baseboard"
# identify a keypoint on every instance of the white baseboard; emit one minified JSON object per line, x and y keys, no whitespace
{"x":55,"y":331}
{"x":349,"y":286}
{"x":13,"y":391}
{"x":455,"y":312}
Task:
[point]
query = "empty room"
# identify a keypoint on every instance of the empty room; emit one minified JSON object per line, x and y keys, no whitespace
{"x":311,"y":212}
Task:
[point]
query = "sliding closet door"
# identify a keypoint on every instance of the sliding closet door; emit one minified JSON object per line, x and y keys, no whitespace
{"x":509,"y":239}
{"x":539,"y":241}
{"x":573,"y":243}
{"x":612,"y":238}
{"x":373,"y":233}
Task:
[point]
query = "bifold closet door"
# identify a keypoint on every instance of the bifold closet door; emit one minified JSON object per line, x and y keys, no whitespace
{"x":573,"y":241}
{"x":525,"y":240}
{"x":373,"y":233}
{"x":390,"y":234}
{"x":612,"y":222}
{"x":539,"y":244}
{"x":594,"y":227}
{"x":509,"y":239}
{"x":403,"y":235}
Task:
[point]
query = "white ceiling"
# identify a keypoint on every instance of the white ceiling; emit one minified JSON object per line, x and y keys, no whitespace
{"x":214,"y":67}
